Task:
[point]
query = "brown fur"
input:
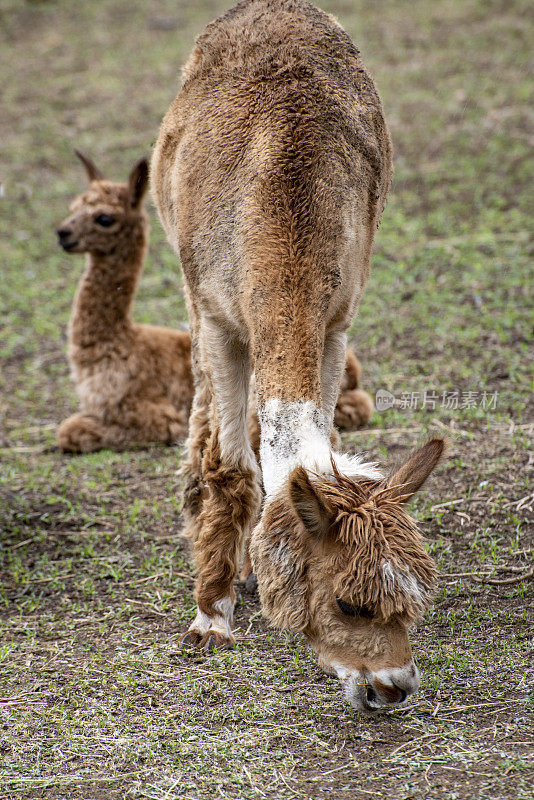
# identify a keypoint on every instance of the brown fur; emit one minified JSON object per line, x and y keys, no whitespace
{"x":373,"y":528}
{"x":279,"y":121}
{"x":133,"y":381}
{"x":233,"y":498}
{"x":354,"y":406}
{"x":270,"y":174}
{"x":195,"y":490}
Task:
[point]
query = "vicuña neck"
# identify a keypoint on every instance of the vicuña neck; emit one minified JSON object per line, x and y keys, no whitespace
{"x":297,"y":434}
{"x":103,"y":303}
{"x":292,"y":434}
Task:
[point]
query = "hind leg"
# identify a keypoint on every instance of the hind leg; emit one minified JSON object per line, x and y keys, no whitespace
{"x":82,"y":433}
{"x":198,"y":433}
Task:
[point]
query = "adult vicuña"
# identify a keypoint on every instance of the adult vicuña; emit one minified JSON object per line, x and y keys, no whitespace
{"x":270,"y":174}
{"x":134,"y":382}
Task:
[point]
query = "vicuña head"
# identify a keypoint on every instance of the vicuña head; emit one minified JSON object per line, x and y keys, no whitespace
{"x":339,"y":559}
{"x":108,"y":218}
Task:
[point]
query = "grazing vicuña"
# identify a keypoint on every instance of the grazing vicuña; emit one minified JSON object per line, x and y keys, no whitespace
{"x":270,"y":174}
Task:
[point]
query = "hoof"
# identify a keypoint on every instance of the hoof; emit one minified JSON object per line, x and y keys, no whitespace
{"x":211,"y":640}
{"x":251,"y":583}
{"x":191,"y":639}
{"x":214,"y":640}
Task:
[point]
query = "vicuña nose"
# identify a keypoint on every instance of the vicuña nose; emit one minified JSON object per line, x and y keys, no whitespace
{"x":63,"y":233}
{"x":393,"y":686}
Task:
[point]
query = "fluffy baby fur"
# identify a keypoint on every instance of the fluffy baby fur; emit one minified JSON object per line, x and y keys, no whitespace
{"x":134,"y":382}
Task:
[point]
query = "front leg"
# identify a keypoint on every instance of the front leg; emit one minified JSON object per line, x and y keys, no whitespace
{"x":333,"y":368}
{"x":209,"y":631}
{"x":232,"y":500}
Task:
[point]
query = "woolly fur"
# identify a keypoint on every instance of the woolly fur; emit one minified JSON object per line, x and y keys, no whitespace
{"x":373,"y":556}
{"x":134,"y":382}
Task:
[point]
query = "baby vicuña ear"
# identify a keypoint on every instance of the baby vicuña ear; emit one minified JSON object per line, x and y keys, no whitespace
{"x":408,"y":478}
{"x":309,"y":504}
{"x":92,"y":171}
{"x":138,"y":183}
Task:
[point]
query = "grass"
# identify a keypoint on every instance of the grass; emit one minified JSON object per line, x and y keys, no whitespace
{"x":97,"y":699}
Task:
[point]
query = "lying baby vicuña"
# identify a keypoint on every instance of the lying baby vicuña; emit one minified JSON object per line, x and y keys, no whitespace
{"x":134,"y":381}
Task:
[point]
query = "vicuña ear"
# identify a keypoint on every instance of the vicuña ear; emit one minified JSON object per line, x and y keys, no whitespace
{"x":138,"y":182}
{"x":308,"y":503}
{"x":92,"y":172}
{"x":406,"y":480}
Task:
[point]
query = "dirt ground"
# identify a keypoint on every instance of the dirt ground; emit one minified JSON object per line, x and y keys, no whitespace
{"x":97,"y":700}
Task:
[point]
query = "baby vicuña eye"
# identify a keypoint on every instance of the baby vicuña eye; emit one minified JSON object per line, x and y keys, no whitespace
{"x":106,"y":220}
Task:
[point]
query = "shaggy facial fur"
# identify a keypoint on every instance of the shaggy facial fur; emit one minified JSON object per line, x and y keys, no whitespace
{"x":134,"y":382}
{"x":371,"y":553}
{"x":381,"y":565}
{"x":341,"y":561}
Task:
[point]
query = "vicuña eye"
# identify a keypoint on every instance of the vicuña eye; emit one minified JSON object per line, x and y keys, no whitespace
{"x":352,"y":611}
{"x":106,"y":220}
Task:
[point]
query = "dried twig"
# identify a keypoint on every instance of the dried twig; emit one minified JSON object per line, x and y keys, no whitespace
{"x":507,"y":581}
{"x":447,"y":504}
{"x":462,"y":574}
{"x":53,"y":578}
{"x":504,"y":701}
{"x":148,"y":578}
